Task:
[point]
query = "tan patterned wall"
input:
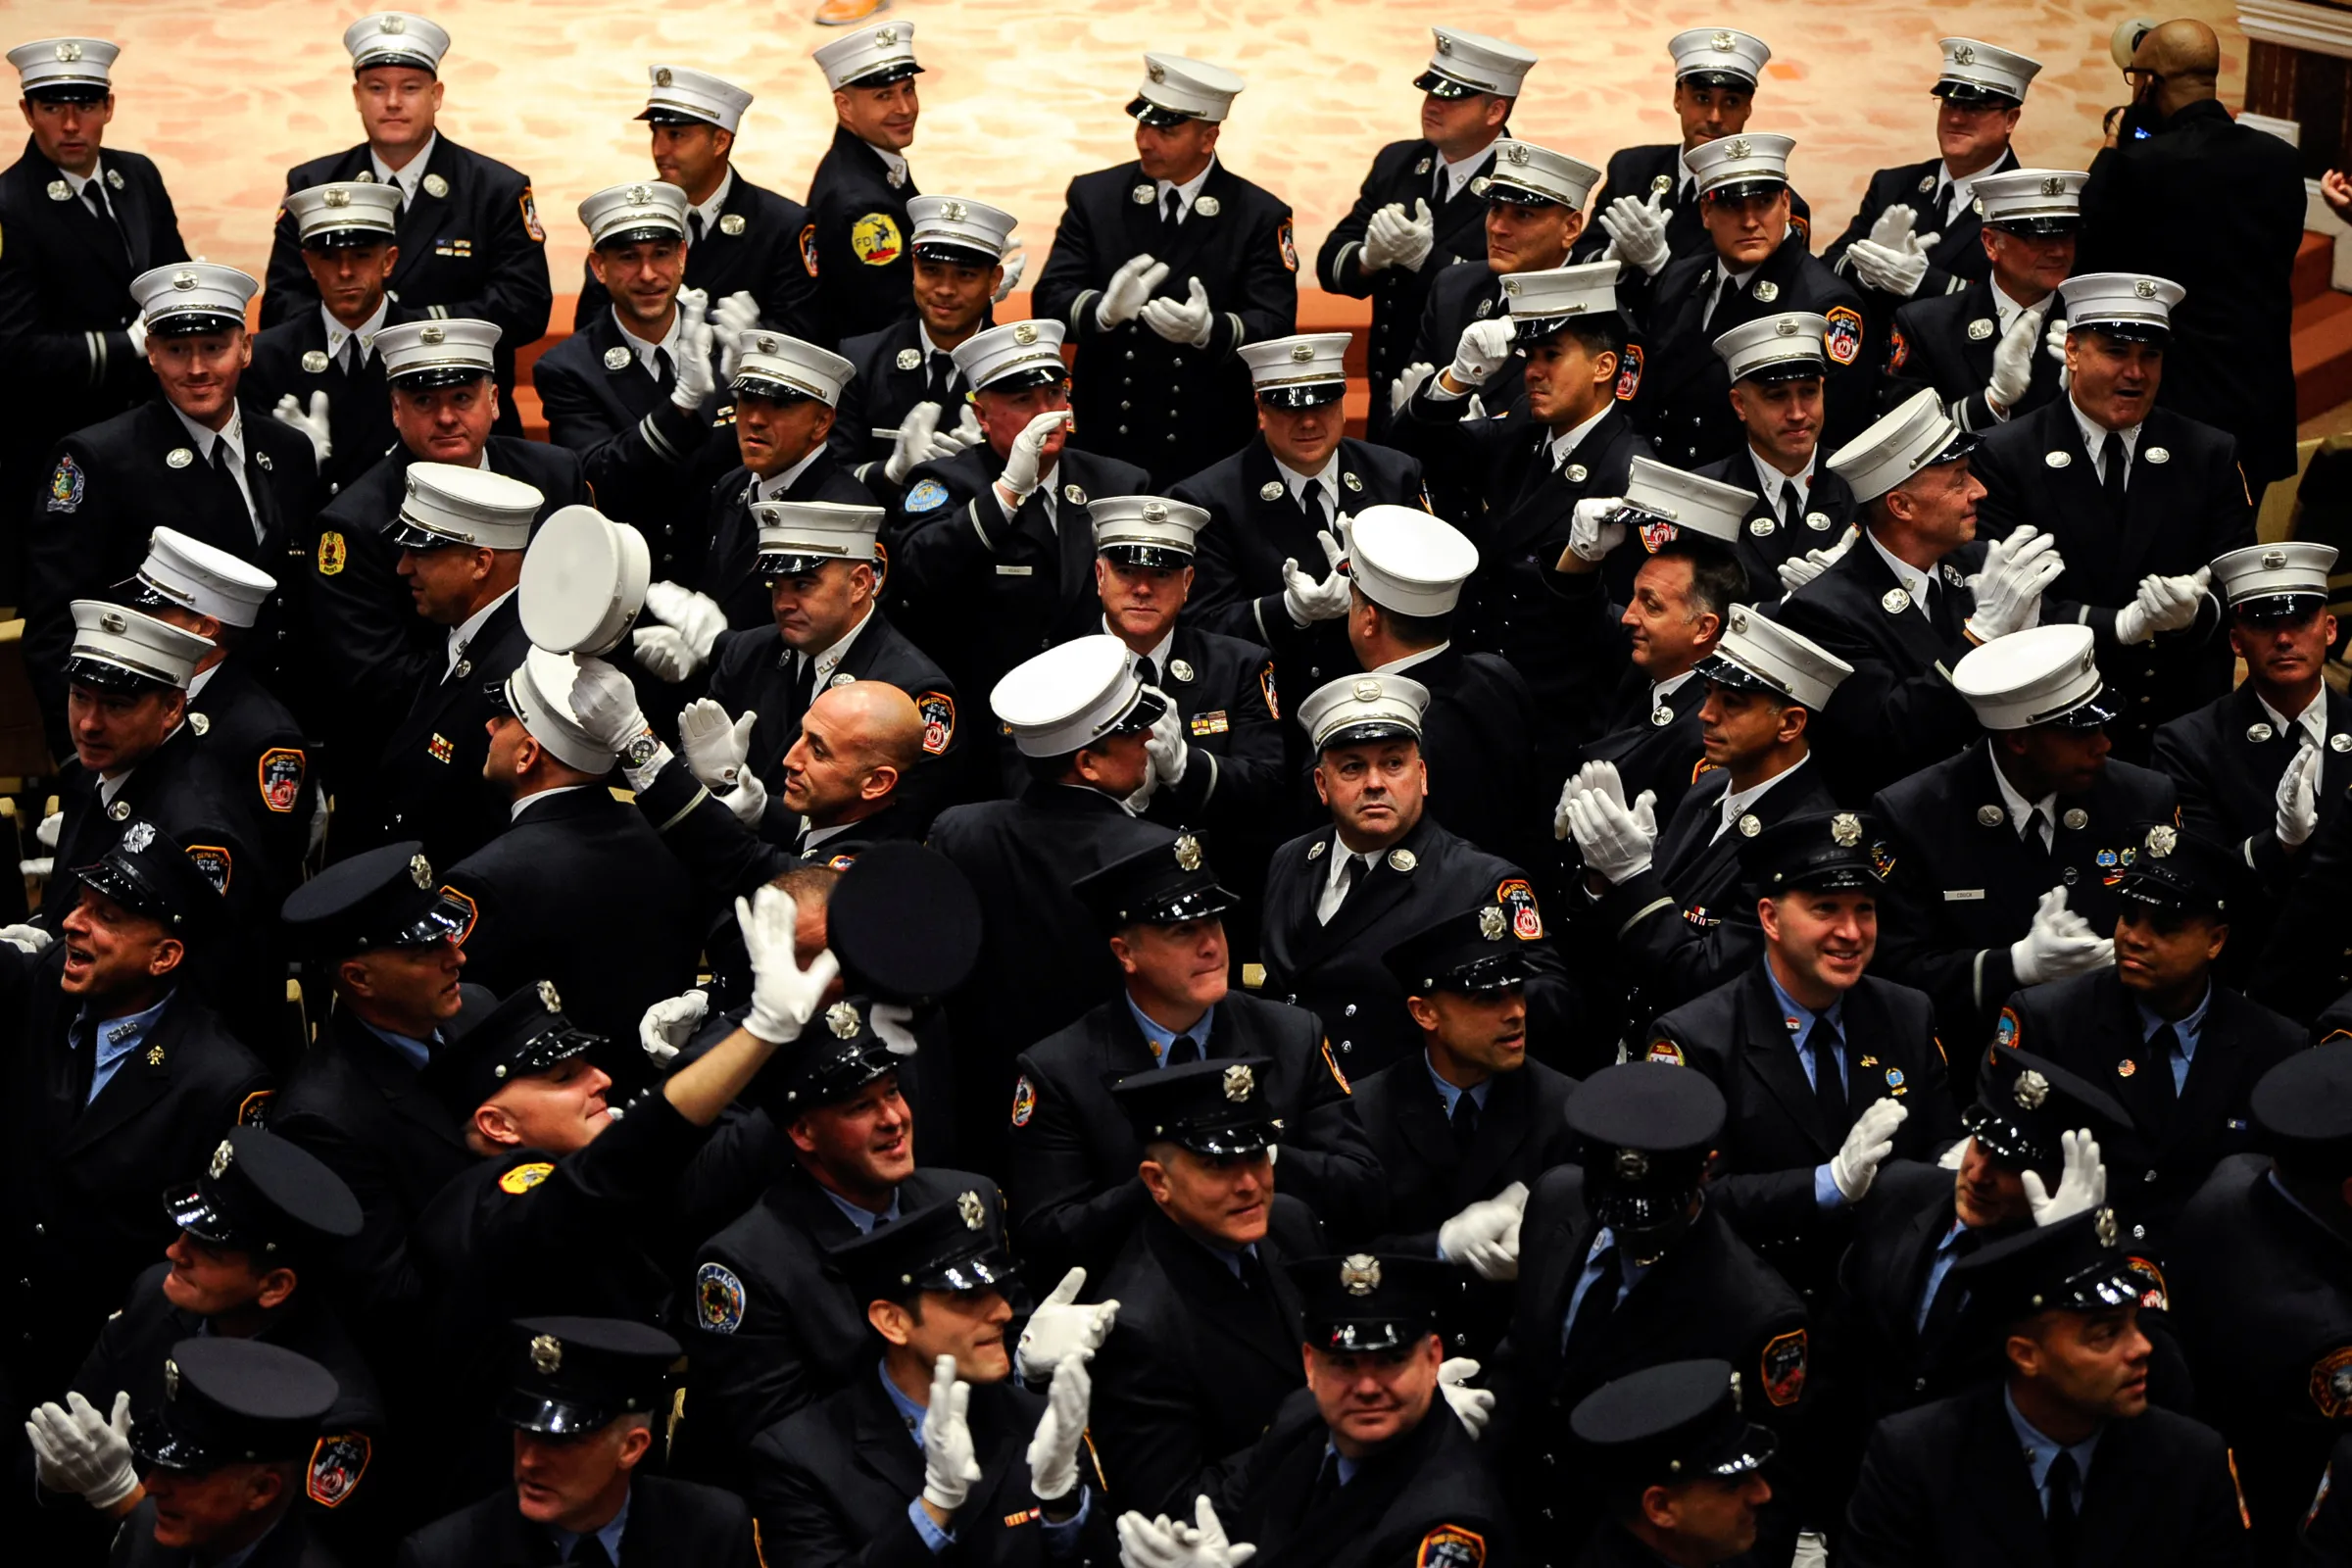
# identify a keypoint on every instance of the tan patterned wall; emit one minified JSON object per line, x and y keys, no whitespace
{"x":1020,"y":95}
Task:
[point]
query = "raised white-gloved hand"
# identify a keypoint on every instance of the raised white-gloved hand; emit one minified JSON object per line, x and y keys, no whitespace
{"x":77,"y":1449}
{"x":748,"y":799}
{"x":2059,"y":945}
{"x":1015,"y":262}
{"x":1483,"y":1236}
{"x":32,"y":940}
{"x":2162,"y":604}
{"x":1054,"y":1448}
{"x":1867,"y":1145}
{"x":696,"y":616}
{"x":1616,"y":842}
{"x":664,"y":653}
{"x":669,"y":1024}
{"x":894,"y":1024}
{"x":136,"y":331}
{"x":606,"y":704}
{"x":1188,"y":321}
{"x":784,"y":996}
{"x":313,"y":425}
{"x":717,"y":746}
{"x":2009,"y":589}
{"x":914,"y":443}
{"x":1060,"y":1328}
{"x":2053,"y":343}
{"x":1164,"y":744}
{"x":966,"y":432}
{"x":1420,"y":236}
{"x":1893,"y":226}
{"x":1385,"y":237}
{"x":2297,"y":801}
{"x":40,"y":867}
{"x":950,"y":1466}
{"x":1590,"y":532}
{"x":2013,"y":362}
{"x":1401,"y":390}
{"x":1480,"y":352}
{"x":697,"y":378}
{"x":1148,"y":1542}
{"x":1896,"y":269}
{"x":1799,"y":570}
{"x":51,"y":829}
{"x":1472,"y":1407}
{"x":1309,"y":601}
{"x":1024,"y":464}
{"x":1603,"y":779}
{"x":2081,"y":1179}
{"x":1636,"y":230}
{"x":733,"y":316}
{"x":1130,"y":286}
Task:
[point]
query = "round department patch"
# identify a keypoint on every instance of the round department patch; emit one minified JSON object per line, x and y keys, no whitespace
{"x":875,"y":239}
{"x":928,"y":495}
{"x":717,"y":1299}
{"x":522,"y":1178}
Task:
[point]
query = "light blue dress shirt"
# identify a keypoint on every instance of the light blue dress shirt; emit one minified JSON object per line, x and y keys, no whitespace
{"x":1945,"y":1258}
{"x":1060,"y":1539}
{"x":116,"y":1039}
{"x":865,"y":1219}
{"x":609,"y":1533}
{"x":2188,"y":1031}
{"x":1628,"y":1274}
{"x":1162,"y":1039}
{"x":416,"y":1051}
{"x":2042,"y":1451}
{"x":1450,"y":1093}
{"x":1825,"y":1185}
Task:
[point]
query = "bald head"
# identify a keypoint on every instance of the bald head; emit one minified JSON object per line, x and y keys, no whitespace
{"x":2184,"y":59}
{"x":857,"y":743}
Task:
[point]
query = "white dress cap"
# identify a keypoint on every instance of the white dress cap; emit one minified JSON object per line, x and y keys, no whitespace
{"x":1718,"y":57}
{"x":203,"y":578}
{"x":684,"y":96}
{"x":1403,"y":559}
{"x":120,"y":649}
{"x":1776,"y":348}
{"x":2134,"y":306}
{"x":870,"y":57}
{"x":1146,"y":530}
{"x":783,"y":369}
{"x":797,"y":536}
{"x":396,"y":38}
{"x":1540,"y":302}
{"x":1979,"y":74}
{"x":1758,"y":653}
{"x":65,"y":67}
{"x":539,"y":694}
{"x":427,"y":354}
{"x":583,"y":581}
{"x":444,"y":504}
{"x":1464,"y":63}
{"x":1301,"y":372}
{"x":2034,"y":201}
{"x":2287,"y":571}
{"x":645,"y":209}
{"x":1694,"y":504}
{"x":1023,"y":353}
{"x":1073,"y":695}
{"x":1361,"y":710}
{"x":358,"y":212}
{"x":1177,"y":89}
{"x":958,"y":228}
{"x":2042,"y":675}
{"x":1916,"y":435}
{"x":1748,"y":163}
{"x":188,"y":297}
{"x":1525,"y":173}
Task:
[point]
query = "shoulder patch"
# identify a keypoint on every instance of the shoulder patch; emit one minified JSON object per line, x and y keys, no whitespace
{"x":1265,"y":686}
{"x":1451,"y":1546}
{"x":808,"y":249}
{"x":66,"y":485}
{"x":464,"y":902}
{"x":332,"y":553}
{"x":2008,"y":1031}
{"x":1287,"y":246}
{"x":530,"y":216}
{"x":928,"y":495}
{"x":717,"y":1299}
{"x":1024,"y":1101}
{"x":1843,"y":340}
{"x":938,"y":720}
{"x":2155,"y":1297}
{"x":1518,"y":901}
{"x":1784,"y":1368}
{"x":281,"y":770}
{"x":1337,"y":1076}
{"x":254,"y":1109}
{"x":1701,"y":768}
{"x":1628,"y":373}
{"x":2331,"y":1384}
{"x":216,"y":864}
{"x":1803,"y":224}
{"x":522,"y":1178}
{"x":337,"y":1464}
{"x":2327,"y":1479}
{"x":1898,"y":350}
{"x":1667,"y":1051}
{"x":875,"y":239}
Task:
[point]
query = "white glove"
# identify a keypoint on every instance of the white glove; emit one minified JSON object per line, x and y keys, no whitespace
{"x":1896,"y":269}
{"x":313,"y":425}
{"x":1188,"y":321}
{"x":735,"y":315}
{"x":1015,"y":262}
{"x":717,"y":746}
{"x":2009,"y":589}
{"x":2013,"y":362}
{"x":77,"y":1451}
{"x":696,"y":379}
{"x":1799,"y":570}
{"x":669,"y":1024}
{"x":1130,"y":286}
{"x":1024,"y":464}
{"x":1309,"y":601}
{"x":1482,"y":348}
{"x":1060,"y":1328}
{"x":1204,"y":1543}
{"x":784,"y":996}
{"x":1385,"y":238}
{"x":31,"y":939}
{"x":916,"y":434}
{"x":966,"y":432}
{"x":1591,"y":533}
{"x":893,"y":1023}
{"x":663,"y":654}
{"x":1894,"y":226}
{"x":1616,"y":842}
{"x":51,"y":829}
{"x":2053,"y":343}
{"x":1636,"y":231}
{"x":1164,"y":744}
{"x":2081,"y":1179}
{"x":697,"y":616}
{"x":748,"y":799}
{"x":1472,"y":1407}
{"x":606,"y":704}
{"x":1148,"y":1542}
{"x":1054,"y":1450}
{"x":1604,"y":778}
{"x":1951,"y":1158}
{"x":1867,"y":1145}
{"x":1401,"y":390}
{"x":949,"y":1464}
{"x":2059,"y":945}
{"x":1483,"y":1236}
{"x":1419,"y":236}
{"x":2297,"y":800}
{"x":2162,"y":604}
{"x":137,"y":334}
{"x":40,"y":867}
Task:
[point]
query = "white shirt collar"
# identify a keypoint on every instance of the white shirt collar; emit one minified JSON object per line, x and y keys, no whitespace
{"x":203,"y":677}
{"x":1398,"y":666}
{"x":1326,"y":477}
{"x":830,"y":658}
{"x":1738,"y":802}
{"x":1685,"y":181}
{"x":234,"y":432}
{"x":1564,"y":443}
{"x":2006,"y":310}
{"x":2021,"y":808}
{"x":1945,"y":179}
{"x":1338,"y":858}
{"x":515,"y":811}
{"x":895,"y":161}
{"x":1660,"y":690}
{"x":2313,"y":718}
{"x":1915,"y":581}
{"x":2095,"y":438}
{"x":1458,"y":174}
{"x":97,"y":177}
{"x":645,"y":350}
{"x":776,"y":484}
{"x":1770,"y":479}
{"x":337,"y":333}
{"x":465,"y":631}
{"x":410,"y":175}
{"x":709,"y":210}
{"x":1186,"y":193}
{"x":1157,"y":653}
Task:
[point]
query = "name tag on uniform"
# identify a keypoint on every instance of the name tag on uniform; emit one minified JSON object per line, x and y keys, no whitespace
{"x":1016,"y":571}
{"x":1963,"y":895}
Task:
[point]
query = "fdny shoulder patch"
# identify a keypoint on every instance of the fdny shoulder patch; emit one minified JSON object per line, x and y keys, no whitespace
{"x":1265,"y":685}
{"x":808,"y":249}
{"x":1518,"y":901}
{"x":216,"y":864}
{"x":2008,"y":1032}
{"x":337,"y":1464}
{"x":522,"y":1178}
{"x":1451,"y":1546}
{"x":1784,"y":1368}
{"x":875,"y":239}
{"x":2331,"y":1384}
{"x":717,"y":1299}
{"x":254,"y":1109}
{"x":281,"y":770}
{"x":2154,"y":1295}
{"x":1667,"y":1051}
{"x":1289,"y":248}
{"x":66,"y":485}
{"x":938,"y":720}
{"x":1024,"y":1101}
{"x":1337,"y":1076}
{"x":1629,"y":373}
{"x":1898,"y":351}
{"x":531,"y":216}
{"x":464,"y":902}
{"x":1843,"y":340}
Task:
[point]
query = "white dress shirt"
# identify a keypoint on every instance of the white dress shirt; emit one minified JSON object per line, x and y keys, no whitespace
{"x":1914,"y":580}
{"x":2094,"y":441}
{"x":1329,"y":903}
{"x":231,"y":435}
{"x":337,"y":334}
{"x":645,"y":350}
{"x":1186,"y":193}
{"x":409,"y":175}
{"x":465,"y":631}
{"x":2021,"y":809}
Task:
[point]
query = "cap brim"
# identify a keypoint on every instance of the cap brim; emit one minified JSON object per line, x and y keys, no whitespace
{"x":1499,"y":188}
{"x":1155,"y":115}
{"x":1717,"y":76}
{"x":885,"y":76}
{"x":784,"y":564}
{"x":2091,"y":712}
{"x":1719,"y":668}
{"x":402,"y":534}
{"x":987,"y":1269}
{"x":1195,"y":903}
{"x":1367,"y":1336}
{"x":1527,"y":331}
{"x":1796,"y":370}
{"x":347,"y":239}
{"x":1961,"y":444}
{"x":2292,"y":603}
{"x":122,"y":884}
{"x":2126,"y":331}
{"x":1500,"y":971}
{"x":427,"y":377}
{"x":1836,"y":878}
{"x":1745,"y":186}
{"x":2160,"y":891}
{"x":440,"y":921}
{"x":1438,"y":85}
{"x":947,"y":253}
{"x":554,"y":1418}
{"x":192,"y":1211}
{"x":2037,"y":227}
{"x":665,"y":114}
{"x":430,"y":67}
{"x":768,"y":389}
{"x":1148,"y":705}
{"x":1304,"y":395}
{"x":1167,"y":556}
{"x":108,"y":676}
{"x":193,"y":324}
{"x":155,"y":1445}
{"x":78,"y":92}
{"x":2098,"y":1287}
{"x":1027,"y":376}
{"x":638,"y":234}
{"x":1367,"y":732}
{"x":1970,"y":95}
{"x":2006,"y":1141}
{"x":1746,"y":1454}
{"x":1238,"y":1140}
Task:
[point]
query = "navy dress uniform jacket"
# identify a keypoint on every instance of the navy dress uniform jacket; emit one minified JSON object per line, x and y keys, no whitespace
{"x":427,"y":783}
{"x":671,"y":1521}
{"x":2227,"y":758}
{"x":757,"y":247}
{"x":886,"y":380}
{"x":1233,"y":784}
{"x":1666,"y":755}
{"x":644,"y":455}
{"x":1199,"y":1358}
{"x":722,"y":559}
{"x":1074,"y":1155}
{"x":857,"y":242}
{"x":1478,"y":737}
{"x":1240,"y":249}
{"x":474,"y":250}
{"x":1881,"y":1280}
{"x":255,"y":740}
{"x":1945,"y":341}
{"x":773,"y":1326}
{"x":1947,"y":1484}
{"x":358,"y":402}
{"x":1765,"y":537}
{"x":2303,"y":966}
{"x":1960,"y":890}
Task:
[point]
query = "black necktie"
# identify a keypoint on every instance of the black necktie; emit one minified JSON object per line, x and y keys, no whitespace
{"x":589,"y":1552}
{"x":1327,"y":1484}
{"x":2035,"y":824}
{"x":1172,"y":209}
{"x":1351,"y":871}
{"x":1593,"y":1312}
{"x":804,"y":687}
{"x":2060,"y":1485}
{"x":939,"y":379}
{"x":665,"y":371}
{"x":1146,"y":669}
{"x":2112,"y":459}
{"x":1314,"y":508}
{"x":694,"y":228}
{"x":1722,"y":299}
{"x":1793,"y":505}
{"x":2163,"y":1045}
{"x":1182,"y":1049}
{"x":95,"y":199}
{"x":1465,"y":1121}
{"x":1829,"y":1085}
